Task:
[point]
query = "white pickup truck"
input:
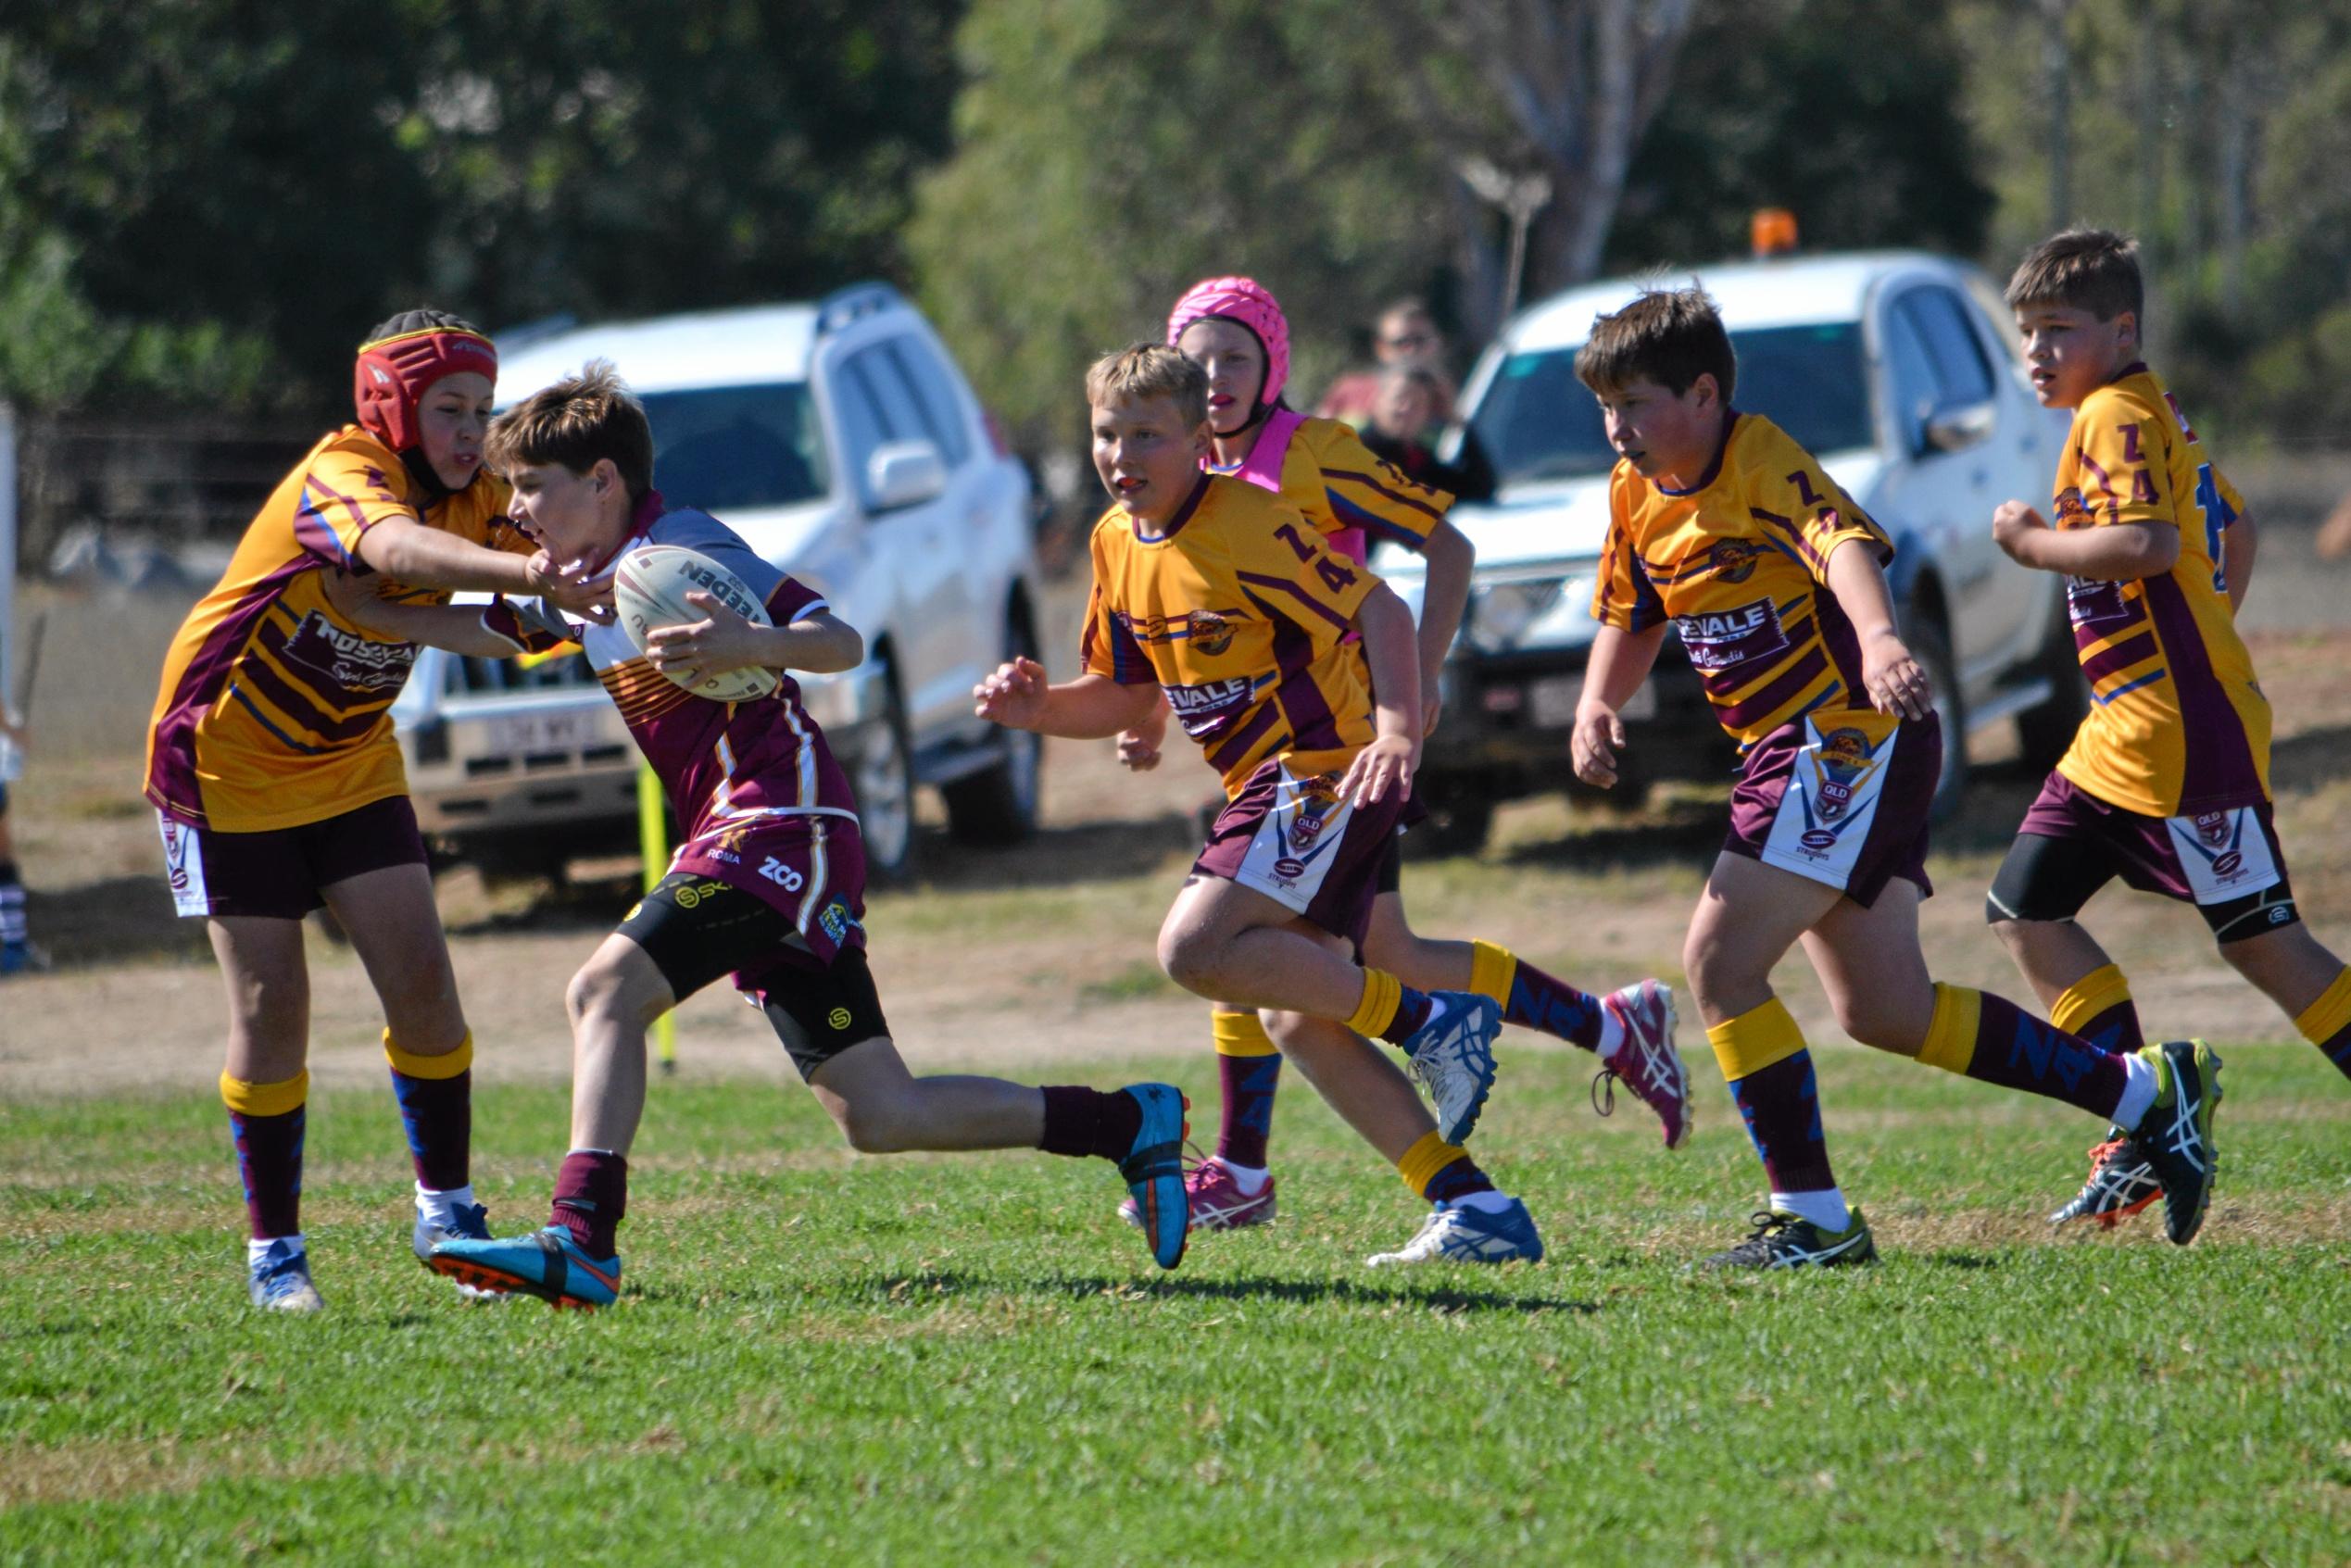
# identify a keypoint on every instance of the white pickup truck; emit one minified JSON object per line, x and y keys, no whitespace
{"x":841,"y":441}
{"x":1894,"y":370}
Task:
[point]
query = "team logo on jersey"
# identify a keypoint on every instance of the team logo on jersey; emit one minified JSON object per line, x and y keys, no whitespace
{"x":2071,"y":512}
{"x":1723,"y":639}
{"x":1210,"y":632}
{"x":1843,"y":763}
{"x":1732,"y":560}
{"x":351,"y":661}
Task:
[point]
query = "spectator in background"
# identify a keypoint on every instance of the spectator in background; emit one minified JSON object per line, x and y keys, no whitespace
{"x":1403,"y":428}
{"x":1406,"y":334}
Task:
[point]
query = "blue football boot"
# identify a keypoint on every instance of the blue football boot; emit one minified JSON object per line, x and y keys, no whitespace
{"x":1452,"y":1057}
{"x":546,"y":1263}
{"x":1154,"y":1171}
{"x":279,"y":1280}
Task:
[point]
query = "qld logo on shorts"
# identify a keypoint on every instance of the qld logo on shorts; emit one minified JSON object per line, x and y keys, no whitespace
{"x":1843,"y":763}
{"x":2217,"y":830}
{"x":175,"y":853}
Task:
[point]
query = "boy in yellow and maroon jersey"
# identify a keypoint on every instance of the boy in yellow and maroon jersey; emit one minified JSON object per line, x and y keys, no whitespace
{"x":1725,"y":528}
{"x":278,"y":787}
{"x":2167,"y":785}
{"x":1237,"y":332}
{"x":1211,"y":591}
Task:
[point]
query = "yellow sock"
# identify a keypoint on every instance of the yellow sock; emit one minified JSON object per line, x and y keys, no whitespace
{"x":2087,"y":997}
{"x":1383,"y":994}
{"x":1491,"y":968}
{"x":1240,"y":1034}
{"x":1424,"y":1160}
{"x":1951,"y":1038}
{"x":2327,"y":1017}
{"x":265,"y":1099}
{"x":448,"y":1065}
{"x":1755,"y":1039}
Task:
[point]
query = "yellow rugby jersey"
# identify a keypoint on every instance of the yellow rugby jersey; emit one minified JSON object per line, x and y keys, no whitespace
{"x":2176,"y":724}
{"x":1323,"y":470}
{"x":272,"y":706}
{"x":1740,"y":563}
{"x":1241,"y":614}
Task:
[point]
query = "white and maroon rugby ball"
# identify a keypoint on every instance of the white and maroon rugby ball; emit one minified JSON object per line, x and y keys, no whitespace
{"x":649,"y":593}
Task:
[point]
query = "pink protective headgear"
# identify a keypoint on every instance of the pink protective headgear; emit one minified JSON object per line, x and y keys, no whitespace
{"x":1246,"y":301}
{"x":393,"y":373}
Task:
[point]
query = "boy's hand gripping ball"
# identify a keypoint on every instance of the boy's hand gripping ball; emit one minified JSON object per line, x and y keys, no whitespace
{"x":648,"y":594}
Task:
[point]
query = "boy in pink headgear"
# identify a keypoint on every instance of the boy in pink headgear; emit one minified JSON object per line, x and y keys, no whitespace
{"x":1235,"y":329}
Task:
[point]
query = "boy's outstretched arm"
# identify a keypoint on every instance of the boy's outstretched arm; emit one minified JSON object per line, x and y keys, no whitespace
{"x":1620,"y":660}
{"x":1892,"y":679}
{"x":2239,"y":545}
{"x":1450,"y":556}
{"x":2115,"y":552}
{"x":457,"y":628}
{"x":424,"y":557}
{"x":1388,"y":762}
{"x":1090,"y":708}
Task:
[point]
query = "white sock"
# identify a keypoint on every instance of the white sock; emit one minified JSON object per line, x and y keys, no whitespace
{"x":433,"y":1204}
{"x":255,"y":1249}
{"x":1250,"y":1179}
{"x":2140,"y":1083}
{"x":1484,"y":1202}
{"x":1612,"y":1031}
{"x":1826,"y":1210}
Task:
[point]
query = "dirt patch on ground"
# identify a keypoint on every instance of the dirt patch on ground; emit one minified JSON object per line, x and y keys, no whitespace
{"x":1023,"y":958}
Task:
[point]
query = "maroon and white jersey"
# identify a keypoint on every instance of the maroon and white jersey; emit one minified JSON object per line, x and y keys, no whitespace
{"x":735,"y":771}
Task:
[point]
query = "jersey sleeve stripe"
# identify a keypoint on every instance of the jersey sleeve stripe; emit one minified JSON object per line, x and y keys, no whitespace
{"x":1433,"y":513}
{"x":1371,"y":522}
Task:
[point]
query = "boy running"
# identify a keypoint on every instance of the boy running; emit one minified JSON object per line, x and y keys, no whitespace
{"x":2168,"y":784}
{"x":1235,"y":329}
{"x":1209,"y":590}
{"x":1722,"y":526}
{"x":769,"y":884}
{"x":278,"y":786}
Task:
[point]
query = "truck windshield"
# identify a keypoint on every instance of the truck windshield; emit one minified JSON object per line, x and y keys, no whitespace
{"x":1537,"y":422}
{"x":735,"y":447}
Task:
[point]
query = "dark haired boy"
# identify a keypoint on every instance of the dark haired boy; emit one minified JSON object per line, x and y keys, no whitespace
{"x":768,"y":883}
{"x":2166,"y":783}
{"x":1724,"y":528}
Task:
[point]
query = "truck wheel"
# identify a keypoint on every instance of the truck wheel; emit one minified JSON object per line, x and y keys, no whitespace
{"x":1930,"y":645}
{"x":998,"y":806}
{"x":1456,"y":825}
{"x":883,"y":777}
{"x":2043,"y":732}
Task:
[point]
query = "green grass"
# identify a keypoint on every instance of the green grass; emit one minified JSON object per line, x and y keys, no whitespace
{"x":823,"y":1359}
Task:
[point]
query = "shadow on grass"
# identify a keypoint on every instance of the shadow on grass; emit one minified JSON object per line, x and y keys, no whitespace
{"x":1302,"y":1292}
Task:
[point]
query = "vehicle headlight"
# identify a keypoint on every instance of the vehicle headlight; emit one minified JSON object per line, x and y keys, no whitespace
{"x":1507,"y":616}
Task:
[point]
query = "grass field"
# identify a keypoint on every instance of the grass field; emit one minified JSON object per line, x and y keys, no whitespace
{"x":968,"y":1360}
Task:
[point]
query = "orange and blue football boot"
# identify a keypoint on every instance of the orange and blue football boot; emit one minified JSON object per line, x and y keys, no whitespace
{"x":1153,"y":1169}
{"x":546,"y":1263}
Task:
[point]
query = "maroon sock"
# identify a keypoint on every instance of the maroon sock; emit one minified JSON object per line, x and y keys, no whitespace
{"x":1412,"y":1008}
{"x":1543,"y":1002}
{"x":591,"y":1195}
{"x":2337,"y":1050}
{"x":1458,"y":1179}
{"x":438,"y":1115}
{"x":1249,"y":1084}
{"x":2116,"y":1029}
{"x":1079,"y":1121}
{"x":270,"y":1160}
{"x":2017,"y":1050}
{"x":1782,"y":1106}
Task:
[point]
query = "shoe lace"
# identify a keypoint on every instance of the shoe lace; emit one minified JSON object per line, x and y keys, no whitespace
{"x":1603,"y":1091}
{"x":1768,"y":1226}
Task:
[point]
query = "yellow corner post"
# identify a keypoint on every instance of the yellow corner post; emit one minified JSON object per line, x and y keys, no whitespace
{"x":653,"y":849}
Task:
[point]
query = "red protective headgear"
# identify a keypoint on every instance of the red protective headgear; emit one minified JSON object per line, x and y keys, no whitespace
{"x":393,"y":373}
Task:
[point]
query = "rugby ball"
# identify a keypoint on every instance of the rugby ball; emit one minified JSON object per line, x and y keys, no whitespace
{"x":649,"y":593}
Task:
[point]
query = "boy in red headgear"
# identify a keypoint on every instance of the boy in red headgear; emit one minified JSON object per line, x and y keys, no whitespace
{"x":278,"y":787}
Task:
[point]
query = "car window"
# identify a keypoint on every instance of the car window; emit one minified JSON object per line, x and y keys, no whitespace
{"x":934,"y":396}
{"x":876,"y":370}
{"x":1910,"y":372}
{"x":1962,"y":373}
{"x":735,"y":447}
{"x":863,"y":427}
{"x":1537,"y":421}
